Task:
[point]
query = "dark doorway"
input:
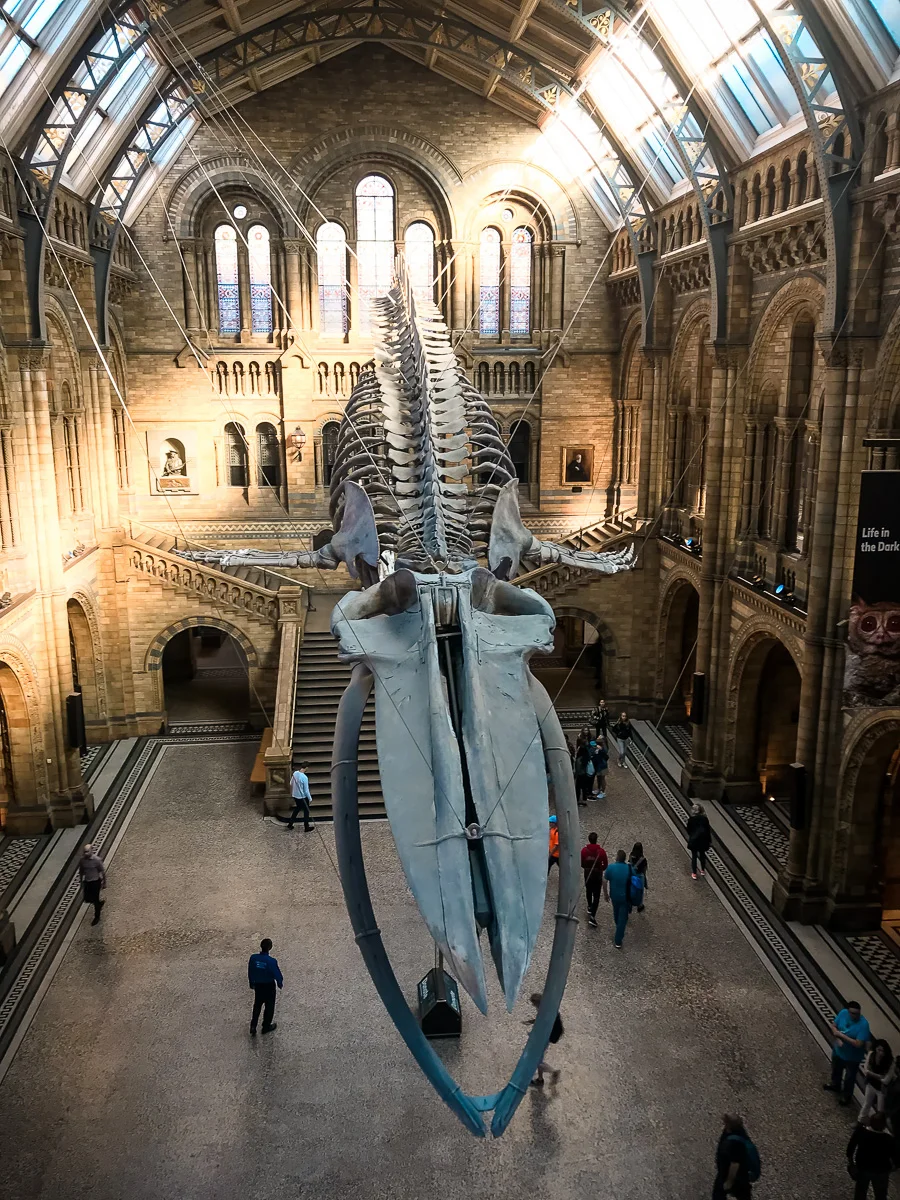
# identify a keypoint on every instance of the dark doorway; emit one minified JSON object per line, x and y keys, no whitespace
{"x":205,"y":678}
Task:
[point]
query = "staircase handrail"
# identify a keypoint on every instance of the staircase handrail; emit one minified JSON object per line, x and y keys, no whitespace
{"x":622,"y":516}
{"x":208,"y":582}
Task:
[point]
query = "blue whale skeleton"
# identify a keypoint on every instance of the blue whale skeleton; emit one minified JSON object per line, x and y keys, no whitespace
{"x":422,"y":490}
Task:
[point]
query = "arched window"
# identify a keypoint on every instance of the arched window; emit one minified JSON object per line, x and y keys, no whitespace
{"x":227,"y":280}
{"x":374,"y":241}
{"x":236,"y":455}
{"x":71,"y":441}
{"x":520,"y":283}
{"x":330,"y":431}
{"x":520,"y":450}
{"x":268,"y":456}
{"x":331,"y":254}
{"x":260,"y":278}
{"x":489,"y":295}
{"x":420,"y":260}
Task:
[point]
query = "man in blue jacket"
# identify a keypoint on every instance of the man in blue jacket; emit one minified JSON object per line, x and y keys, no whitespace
{"x":264,"y":976}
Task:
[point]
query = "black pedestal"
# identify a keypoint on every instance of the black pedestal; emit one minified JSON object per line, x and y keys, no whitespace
{"x":439,"y":1012}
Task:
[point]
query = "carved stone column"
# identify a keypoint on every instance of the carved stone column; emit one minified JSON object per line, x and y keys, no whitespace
{"x":557,"y":273}
{"x":747,"y":480}
{"x":191,"y":283}
{"x":293,"y":288}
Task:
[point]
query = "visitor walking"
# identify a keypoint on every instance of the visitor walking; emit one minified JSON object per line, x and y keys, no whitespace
{"x":93,"y":879}
{"x":851,"y":1035}
{"x":637,"y":860}
{"x":555,"y":1034}
{"x":265,"y":977}
{"x":737,"y":1161}
{"x":593,"y":863}
{"x":553,"y":859}
{"x":623,"y":733}
{"x":600,"y":719}
{"x":878,"y":1071}
{"x":871,"y":1158}
{"x":301,"y":796}
{"x":601,"y":766}
{"x":584,"y":773}
{"x":699,"y":839}
{"x":617,"y":889}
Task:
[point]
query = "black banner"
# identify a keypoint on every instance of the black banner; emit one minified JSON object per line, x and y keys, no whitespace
{"x":872,"y":675}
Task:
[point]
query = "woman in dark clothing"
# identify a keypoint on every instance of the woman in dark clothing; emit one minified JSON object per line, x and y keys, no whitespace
{"x":637,"y":860}
{"x":870,"y":1158}
{"x":699,"y":838}
{"x":601,"y":719}
{"x":584,"y":773}
{"x":733,"y":1161}
{"x":622,"y":732}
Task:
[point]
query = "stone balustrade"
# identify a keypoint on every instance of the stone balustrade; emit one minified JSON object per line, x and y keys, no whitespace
{"x":206,"y":583}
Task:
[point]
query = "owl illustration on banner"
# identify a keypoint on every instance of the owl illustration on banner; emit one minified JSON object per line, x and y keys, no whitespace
{"x":872,"y":673}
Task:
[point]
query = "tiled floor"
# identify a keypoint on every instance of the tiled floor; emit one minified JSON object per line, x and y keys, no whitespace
{"x":137,"y":1078}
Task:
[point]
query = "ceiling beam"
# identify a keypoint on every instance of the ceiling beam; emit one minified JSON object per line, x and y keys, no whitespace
{"x":517,"y":28}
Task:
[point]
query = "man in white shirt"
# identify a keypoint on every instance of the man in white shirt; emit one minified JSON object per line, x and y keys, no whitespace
{"x":300,"y":794}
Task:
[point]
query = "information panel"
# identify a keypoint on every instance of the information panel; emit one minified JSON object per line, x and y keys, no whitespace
{"x":872,"y":675}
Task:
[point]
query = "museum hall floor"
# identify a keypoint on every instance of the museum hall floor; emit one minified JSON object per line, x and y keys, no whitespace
{"x":137,"y":1079}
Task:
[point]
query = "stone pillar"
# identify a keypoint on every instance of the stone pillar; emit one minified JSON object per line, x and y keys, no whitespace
{"x":107,"y":461}
{"x":557,"y":271}
{"x":191,"y":285}
{"x":749,"y":467}
{"x":699,"y":772}
{"x":793,"y":888}
{"x":96,"y":456}
{"x":782,"y":469}
{"x":64,"y":771}
{"x":244,"y":291}
{"x":645,"y":469}
{"x":457,"y":283}
{"x":295,"y":321}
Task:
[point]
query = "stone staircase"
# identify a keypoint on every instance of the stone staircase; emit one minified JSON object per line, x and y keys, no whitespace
{"x":321,"y":680}
{"x":557,"y":580}
{"x":153,"y":539}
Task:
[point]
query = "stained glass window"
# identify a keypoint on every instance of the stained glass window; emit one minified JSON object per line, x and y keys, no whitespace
{"x":227,"y":280}
{"x":260,"y":278}
{"x":520,"y":283}
{"x":374,"y":241}
{"x":331,"y":252}
{"x":489,"y":292}
{"x":420,"y":260}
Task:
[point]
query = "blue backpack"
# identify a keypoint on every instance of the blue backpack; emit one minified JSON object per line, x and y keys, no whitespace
{"x":637,"y":889}
{"x":754,"y":1166}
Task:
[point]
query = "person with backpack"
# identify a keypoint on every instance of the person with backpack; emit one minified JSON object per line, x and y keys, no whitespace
{"x":555,"y":1034}
{"x":593,"y":863}
{"x":871,"y":1157}
{"x":584,"y":773}
{"x":600,"y":758}
{"x":699,"y":838}
{"x":637,"y":860}
{"x":737,"y":1161}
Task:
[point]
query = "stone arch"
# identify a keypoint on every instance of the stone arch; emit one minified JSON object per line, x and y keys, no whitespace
{"x":597,"y":660}
{"x":153,"y":657}
{"x":607,"y":637}
{"x":860,"y":822}
{"x":85,"y":633}
{"x":885,"y":413}
{"x":19,"y":689}
{"x":695,"y":313}
{"x":535,"y":185}
{"x":758,"y":639}
{"x":194,"y":187}
{"x":804,"y":291}
{"x":63,"y":347}
{"x":389,"y":144}
{"x":681,"y":586}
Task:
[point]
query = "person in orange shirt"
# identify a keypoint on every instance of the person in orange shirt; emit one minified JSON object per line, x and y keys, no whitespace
{"x":554,"y":845}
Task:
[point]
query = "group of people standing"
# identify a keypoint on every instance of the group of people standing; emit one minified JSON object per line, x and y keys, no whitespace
{"x":590,"y":754}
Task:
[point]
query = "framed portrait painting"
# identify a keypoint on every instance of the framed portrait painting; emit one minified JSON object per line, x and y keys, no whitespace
{"x":577,"y":464}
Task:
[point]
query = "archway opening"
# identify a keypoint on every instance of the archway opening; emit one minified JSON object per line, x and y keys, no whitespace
{"x":872,"y":881}
{"x":767,"y":717}
{"x":205,"y":678}
{"x":18,"y":786}
{"x":679,"y":663}
{"x":575,"y":674}
{"x":84,"y":668}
